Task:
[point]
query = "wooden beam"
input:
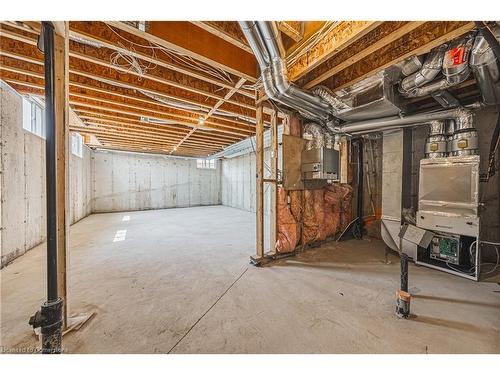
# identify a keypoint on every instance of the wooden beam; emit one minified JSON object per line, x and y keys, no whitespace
{"x":85,"y":62}
{"x":103,"y":35}
{"x":293,"y":29}
{"x":107,"y":140}
{"x":185,"y":38}
{"x":417,"y":42}
{"x":209,"y":136}
{"x":154,"y":130}
{"x":310,"y":28}
{"x":131,"y":148}
{"x":228,"y":30}
{"x":149,"y":110}
{"x":344,"y":160}
{"x":386,"y":33}
{"x":212,"y":111}
{"x":338,"y":38}
{"x":259,"y":191}
{"x":140,"y":139}
{"x":146,"y":134}
{"x":61,"y":90}
{"x":273,"y":210}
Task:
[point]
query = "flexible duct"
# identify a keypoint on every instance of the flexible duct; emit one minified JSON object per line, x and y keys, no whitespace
{"x":315,"y":135}
{"x":265,"y":43}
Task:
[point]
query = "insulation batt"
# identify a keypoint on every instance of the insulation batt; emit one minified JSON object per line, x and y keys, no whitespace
{"x":288,"y":226}
{"x":313,"y":216}
{"x":310,"y":216}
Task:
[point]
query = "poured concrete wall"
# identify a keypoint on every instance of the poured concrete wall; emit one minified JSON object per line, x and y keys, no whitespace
{"x":130,"y":181}
{"x":23,"y":212}
{"x":239,"y":182}
{"x":80,"y":188}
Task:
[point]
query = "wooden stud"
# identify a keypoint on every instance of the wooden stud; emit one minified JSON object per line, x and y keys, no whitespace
{"x":259,"y":191}
{"x":293,"y":29}
{"x":62,"y":169}
{"x":344,"y":161}
{"x":273,"y":211}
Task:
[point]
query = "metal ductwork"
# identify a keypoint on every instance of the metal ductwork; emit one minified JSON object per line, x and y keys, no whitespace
{"x":314,"y":134}
{"x":263,"y":38}
{"x":395,"y":122}
{"x":373,"y":97}
{"x":436,"y":144}
{"x":430,"y":69}
{"x":484,"y":64}
{"x":452,"y":60}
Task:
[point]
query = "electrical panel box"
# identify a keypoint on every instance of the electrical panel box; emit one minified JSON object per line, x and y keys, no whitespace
{"x":320,"y":164}
{"x":446,"y":248}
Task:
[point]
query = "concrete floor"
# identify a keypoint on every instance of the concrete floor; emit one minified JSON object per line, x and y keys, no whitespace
{"x":180,"y":282}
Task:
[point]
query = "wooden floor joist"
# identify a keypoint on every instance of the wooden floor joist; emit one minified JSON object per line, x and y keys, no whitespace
{"x":127,"y":107}
{"x":189,"y":39}
{"x":191,"y":85}
{"x":339,"y":37}
{"x":368,"y":44}
{"x":416,"y":42}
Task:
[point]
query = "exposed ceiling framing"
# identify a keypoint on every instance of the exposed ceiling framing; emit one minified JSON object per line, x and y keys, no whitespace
{"x":188,"y":88}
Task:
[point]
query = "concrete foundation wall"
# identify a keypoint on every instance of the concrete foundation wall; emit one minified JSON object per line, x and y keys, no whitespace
{"x":80,"y":188}
{"x":124,"y":181}
{"x":23,"y":211}
{"x":239,"y":182}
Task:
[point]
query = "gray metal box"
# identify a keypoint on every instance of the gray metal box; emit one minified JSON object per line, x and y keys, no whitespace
{"x":415,"y":235}
{"x":320,"y":164}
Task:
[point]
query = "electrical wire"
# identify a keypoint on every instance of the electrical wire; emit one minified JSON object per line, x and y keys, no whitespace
{"x":473,"y":261}
{"x":180,"y":58}
{"x":127,"y":61}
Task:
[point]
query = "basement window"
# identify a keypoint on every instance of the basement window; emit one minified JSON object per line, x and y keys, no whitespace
{"x":33,"y":116}
{"x":77,"y":144}
{"x":205,"y":163}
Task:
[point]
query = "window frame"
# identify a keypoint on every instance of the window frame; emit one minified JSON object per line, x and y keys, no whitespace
{"x":36,"y":122}
{"x":206,"y":163}
{"x":77,"y":147}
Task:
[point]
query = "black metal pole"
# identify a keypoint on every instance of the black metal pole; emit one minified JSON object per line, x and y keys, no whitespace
{"x":404,"y":272}
{"x":358,"y":227}
{"x":50,"y":157}
{"x":49,"y":318}
{"x":403,"y":297}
